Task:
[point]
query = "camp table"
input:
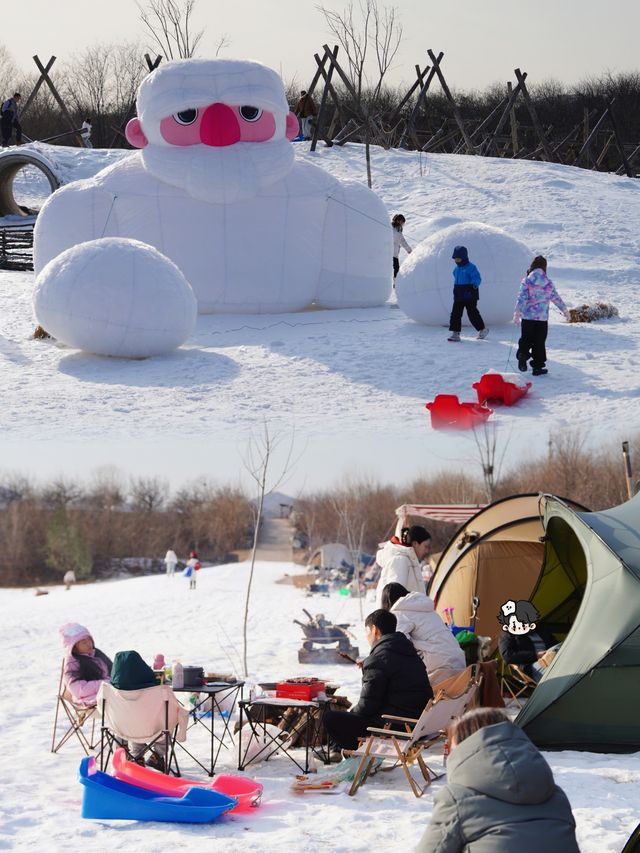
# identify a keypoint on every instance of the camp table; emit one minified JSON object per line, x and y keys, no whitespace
{"x":311,"y":721}
{"x":216,"y":691}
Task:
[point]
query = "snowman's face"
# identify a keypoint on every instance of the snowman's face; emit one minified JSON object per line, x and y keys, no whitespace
{"x":197,"y":150}
{"x":218,"y":125}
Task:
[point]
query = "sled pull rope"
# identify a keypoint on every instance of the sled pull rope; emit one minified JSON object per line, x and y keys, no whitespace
{"x":106,"y":222}
{"x":357,"y":210}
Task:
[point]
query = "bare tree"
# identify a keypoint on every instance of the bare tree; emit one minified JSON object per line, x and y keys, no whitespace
{"x":566,"y":452}
{"x":258,"y":462}
{"x":102,"y":82}
{"x":486,"y":439}
{"x":356,"y":29}
{"x":148,"y":493}
{"x":106,"y":490}
{"x":9,"y":82}
{"x":387,"y":36}
{"x":170,"y":26}
{"x":61,"y":493}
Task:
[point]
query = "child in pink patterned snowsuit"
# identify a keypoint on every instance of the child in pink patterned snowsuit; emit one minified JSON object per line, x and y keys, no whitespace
{"x":532,"y":310}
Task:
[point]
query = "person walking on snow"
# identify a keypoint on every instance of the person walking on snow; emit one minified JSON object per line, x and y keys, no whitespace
{"x":305,"y":111}
{"x":9,"y":120}
{"x":399,"y":242}
{"x":466,"y":292}
{"x":193,"y":566}
{"x":85,"y":133}
{"x":532,"y":311}
{"x":171,"y":561}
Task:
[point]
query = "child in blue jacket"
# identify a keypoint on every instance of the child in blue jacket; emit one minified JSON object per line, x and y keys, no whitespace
{"x":466,"y":283}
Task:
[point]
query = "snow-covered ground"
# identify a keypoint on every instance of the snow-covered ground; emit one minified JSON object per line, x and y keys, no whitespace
{"x":363,"y":374}
{"x":354,"y":382}
{"x":40,"y":797}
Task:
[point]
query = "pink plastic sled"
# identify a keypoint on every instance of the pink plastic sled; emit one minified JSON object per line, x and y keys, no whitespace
{"x":247,"y":792}
{"x":492,"y":386}
{"x":447,"y":412}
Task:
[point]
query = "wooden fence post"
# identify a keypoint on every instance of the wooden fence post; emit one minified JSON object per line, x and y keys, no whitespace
{"x":449,"y":96}
{"x":534,"y":116}
{"x":323,"y":101}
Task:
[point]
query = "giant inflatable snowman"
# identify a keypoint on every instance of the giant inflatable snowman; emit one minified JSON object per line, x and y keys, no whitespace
{"x":215,"y":188}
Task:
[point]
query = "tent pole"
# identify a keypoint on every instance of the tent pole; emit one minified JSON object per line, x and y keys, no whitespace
{"x":628,"y":474}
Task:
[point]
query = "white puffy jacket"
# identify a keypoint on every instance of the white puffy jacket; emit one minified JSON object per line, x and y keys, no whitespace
{"x":399,"y":565}
{"x":398,"y":241}
{"x":433,"y":641}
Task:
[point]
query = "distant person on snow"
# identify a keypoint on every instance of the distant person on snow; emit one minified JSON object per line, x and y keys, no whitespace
{"x":85,"y":133}
{"x":171,"y":561}
{"x":305,"y":111}
{"x":532,"y":311}
{"x":397,"y":224}
{"x":9,"y":120}
{"x":193,"y":566}
{"x":466,"y":292}
{"x":400,"y":559}
{"x":69,"y":579}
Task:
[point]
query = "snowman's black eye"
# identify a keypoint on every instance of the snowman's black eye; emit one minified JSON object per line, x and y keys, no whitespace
{"x":186,"y":116}
{"x":250,"y":113}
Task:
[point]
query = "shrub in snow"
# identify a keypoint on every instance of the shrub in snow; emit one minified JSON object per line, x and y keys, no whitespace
{"x":115,"y":297}
{"x":425,"y":282}
{"x":216,"y":188}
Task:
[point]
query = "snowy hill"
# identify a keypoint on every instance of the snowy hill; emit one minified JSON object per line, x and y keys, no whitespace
{"x":353,"y":379}
{"x":40,"y":797}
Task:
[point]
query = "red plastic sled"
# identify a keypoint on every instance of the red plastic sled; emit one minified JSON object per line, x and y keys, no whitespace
{"x":447,"y":412}
{"x":246,"y":791}
{"x":492,"y":386}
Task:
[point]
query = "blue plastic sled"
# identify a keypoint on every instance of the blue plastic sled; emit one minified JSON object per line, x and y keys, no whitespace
{"x":107,"y":798}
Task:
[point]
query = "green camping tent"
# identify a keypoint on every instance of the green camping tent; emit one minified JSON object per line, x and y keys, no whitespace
{"x":589,"y":593}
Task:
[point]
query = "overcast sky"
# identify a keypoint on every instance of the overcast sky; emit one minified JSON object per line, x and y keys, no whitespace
{"x":482,"y":41}
{"x":319,"y":463}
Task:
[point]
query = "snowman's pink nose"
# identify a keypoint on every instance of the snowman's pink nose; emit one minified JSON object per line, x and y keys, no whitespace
{"x":219,"y":126}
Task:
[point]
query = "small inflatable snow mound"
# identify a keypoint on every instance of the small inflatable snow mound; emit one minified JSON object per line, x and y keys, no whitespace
{"x":425,"y":282}
{"x":438,"y":223}
{"x":115,"y":297}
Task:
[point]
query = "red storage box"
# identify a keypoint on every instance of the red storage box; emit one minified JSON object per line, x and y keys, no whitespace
{"x":299,"y":688}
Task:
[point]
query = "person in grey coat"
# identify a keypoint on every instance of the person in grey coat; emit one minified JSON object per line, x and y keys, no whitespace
{"x":500,"y":796}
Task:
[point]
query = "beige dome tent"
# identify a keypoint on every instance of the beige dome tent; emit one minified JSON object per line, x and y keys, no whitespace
{"x":496,"y":555}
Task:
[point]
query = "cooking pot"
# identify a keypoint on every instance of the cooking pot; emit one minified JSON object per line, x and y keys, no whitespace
{"x":193,"y":676}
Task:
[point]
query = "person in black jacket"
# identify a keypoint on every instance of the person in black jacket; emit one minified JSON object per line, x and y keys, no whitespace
{"x":394,"y":681}
{"x":9,"y":120}
{"x":523,"y":641}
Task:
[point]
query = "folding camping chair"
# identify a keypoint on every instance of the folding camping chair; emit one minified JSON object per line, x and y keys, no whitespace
{"x":517,"y":683}
{"x":77,"y":715}
{"x":458,"y":683}
{"x":151,"y":716}
{"x":405,"y":748}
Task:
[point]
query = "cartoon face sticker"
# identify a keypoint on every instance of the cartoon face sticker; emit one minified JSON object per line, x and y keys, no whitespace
{"x":518,"y":617}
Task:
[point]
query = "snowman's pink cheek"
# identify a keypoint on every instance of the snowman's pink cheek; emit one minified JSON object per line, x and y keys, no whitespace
{"x":257,"y":131}
{"x":180,"y":134}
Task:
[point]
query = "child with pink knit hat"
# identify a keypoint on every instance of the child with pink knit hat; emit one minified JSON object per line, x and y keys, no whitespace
{"x":85,"y":667}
